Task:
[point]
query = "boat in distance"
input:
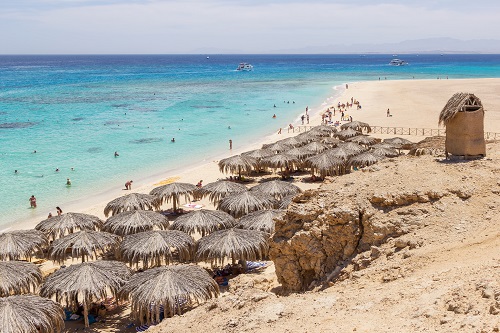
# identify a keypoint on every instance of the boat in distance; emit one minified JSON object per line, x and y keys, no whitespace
{"x":244,"y":67}
{"x":398,"y":62}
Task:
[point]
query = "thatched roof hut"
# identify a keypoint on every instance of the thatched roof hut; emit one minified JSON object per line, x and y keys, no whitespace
{"x":135,"y":221}
{"x":21,"y":244}
{"x":153,"y":248}
{"x":85,"y":283}
{"x":237,"y":164}
{"x":133,"y":201}
{"x":262,"y":220}
{"x":357,"y":125}
{"x":277,"y":188}
{"x":58,"y":226}
{"x":325,"y":165}
{"x":18,"y":277}
{"x":167,"y":288}
{"x":219,"y":189}
{"x":30,"y":314}
{"x":203,"y":221}
{"x":173,"y":192}
{"x":463,"y":117}
{"x":240,"y":204}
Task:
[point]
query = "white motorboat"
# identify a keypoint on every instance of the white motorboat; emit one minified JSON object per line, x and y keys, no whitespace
{"x":244,"y":67}
{"x":398,"y":62}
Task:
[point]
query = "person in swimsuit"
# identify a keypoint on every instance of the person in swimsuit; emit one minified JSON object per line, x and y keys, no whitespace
{"x":33,"y":201}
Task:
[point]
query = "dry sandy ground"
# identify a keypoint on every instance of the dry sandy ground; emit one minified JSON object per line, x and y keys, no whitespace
{"x":447,"y":281}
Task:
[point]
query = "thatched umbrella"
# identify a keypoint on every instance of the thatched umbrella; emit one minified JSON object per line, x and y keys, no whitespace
{"x":240,"y":204}
{"x":386,"y":152}
{"x":324,"y":129}
{"x":399,"y":143}
{"x":85,"y":244}
{"x":156,"y":247}
{"x":233,"y":243}
{"x":85,"y":283}
{"x":286,"y":201}
{"x":325,"y":164}
{"x":58,"y":226}
{"x":173,"y":191}
{"x":347,"y":133}
{"x":316,"y":147}
{"x":280,"y":161}
{"x":203,"y":221}
{"x":277,"y":146}
{"x":237,"y":164}
{"x":21,"y":244}
{"x":133,"y":201}
{"x":18,"y":277}
{"x":357,"y":126}
{"x":363,"y":140}
{"x":352,"y":147}
{"x":276,"y":188}
{"x":30,"y":314}
{"x":219,"y":189}
{"x":331,"y":141}
{"x":293,"y":141}
{"x":259,"y":153}
{"x":341,"y":153}
{"x":385,"y":145}
{"x":364,"y":159}
{"x":262,"y":220}
{"x":168,"y":288}
{"x":135,"y":221}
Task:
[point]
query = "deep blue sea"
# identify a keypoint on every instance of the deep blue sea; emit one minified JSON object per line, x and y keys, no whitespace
{"x":76,"y":111}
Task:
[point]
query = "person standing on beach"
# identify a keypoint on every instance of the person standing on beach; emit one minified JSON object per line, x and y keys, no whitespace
{"x":302,"y":118}
{"x":128,"y":185}
{"x":388,"y":113}
{"x":230,"y":144}
{"x":59,"y":211}
{"x":307,"y":119}
{"x":33,"y":201}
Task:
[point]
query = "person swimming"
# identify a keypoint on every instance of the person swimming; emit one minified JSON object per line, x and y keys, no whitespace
{"x":173,"y":140}
{"x":116,"y":154}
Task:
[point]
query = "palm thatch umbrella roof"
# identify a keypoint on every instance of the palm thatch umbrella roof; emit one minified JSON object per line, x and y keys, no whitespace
{"x":174,"y":191}
{"x":237,"y":164}
{"x":386,"y":152}
{"x":286,"y":201}
{"x":168,"y":288}
{"x":30,"y":314}
{"x":58,"y":226}
{"x":262,"y":220}
{"x":85,"y":283}
{"x":259,"y":153}
{"x":399,"y":143}
{"x":293,"y":141}
{"x":219,"y":189}
{"x":133,"y":201}
{"x":155,"y":247}
{"x":277,"y":188}
{"x":347,"y":133}
{"x":459,"y":102}
{"x":384,"y":145}
{"x":352,"y":147}
{"x":277,"y":146}
{"x":280,"y":161}
{"x":312,"y":136}
{"x":357,"y":126}
{"x":341,"y":153}
{"x":331,"y":141}
{"x":363,"y":140}
{"x":325,"y":164}
{"x":21,"y":244}
{"x":300,"y":152}
{"x":316,"y":147}
{"x":324,"y":129}
{"x":240,"y":204}
{"x":86,"y":244}
{"x":233,"y":243}
{"x":203,"y":221}
{"x":18,"y":277}
{"x":135,"y":221}
{"x":364,"y":159}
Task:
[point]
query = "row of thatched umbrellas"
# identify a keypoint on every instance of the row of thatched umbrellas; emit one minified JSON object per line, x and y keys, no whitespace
{"x":146,"y":240}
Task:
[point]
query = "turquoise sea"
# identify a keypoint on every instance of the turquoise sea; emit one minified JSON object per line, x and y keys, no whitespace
{"x":76,"y":111}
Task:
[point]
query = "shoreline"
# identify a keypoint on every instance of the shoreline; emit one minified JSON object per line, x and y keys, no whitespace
{"x":403,"y":97}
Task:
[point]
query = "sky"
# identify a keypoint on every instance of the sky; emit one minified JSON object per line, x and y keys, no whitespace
{"x":233,"y":26}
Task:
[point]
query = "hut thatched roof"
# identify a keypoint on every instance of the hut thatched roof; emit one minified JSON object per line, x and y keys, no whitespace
{"x":300,"y":152}
{"x":168,"y":288}
{"x":262,"y":220}
{"x":459,"y":102}
{"x":331,"y":141}
{"x":219,"y":189}
{"x":135,"y":221}
{"x":259,"y":153}
{"x":316,"y":147}
{"x":133,"y":201}
{"x":85,"y":244}
{"x":280,"y":161}
{"x":85,"y":283}
{"x":347,"y":133}
{"x":363,"y":140}
{"x":240,"y":204}
{"x":286,"y":201}
{"x":399,"y":143}
{"x":233,"y":243}
{"x":327,"y":130}
{"x":341,"y":153}
{"x":173,"y":192}
{"x":277,"y":146}
{"x":295,"y":141}
{"x":237,"y":164}
{"x":21,"y":244}
{"x":352,"y":147}
{"x":325,"y":164}
{"x":18,"y":277}
{"x":386,"y":152}
{"x":203,"y":221}
{"x":364,"y":159}
{"x":357,"y":126}
{"x":58,"y":226}
{"x":30,"y":314}
{"x":153,"y":248}
{"x":277,"y":188}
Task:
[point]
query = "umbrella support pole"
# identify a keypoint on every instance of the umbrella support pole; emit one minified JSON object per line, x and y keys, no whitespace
{"x":85,"y":313}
